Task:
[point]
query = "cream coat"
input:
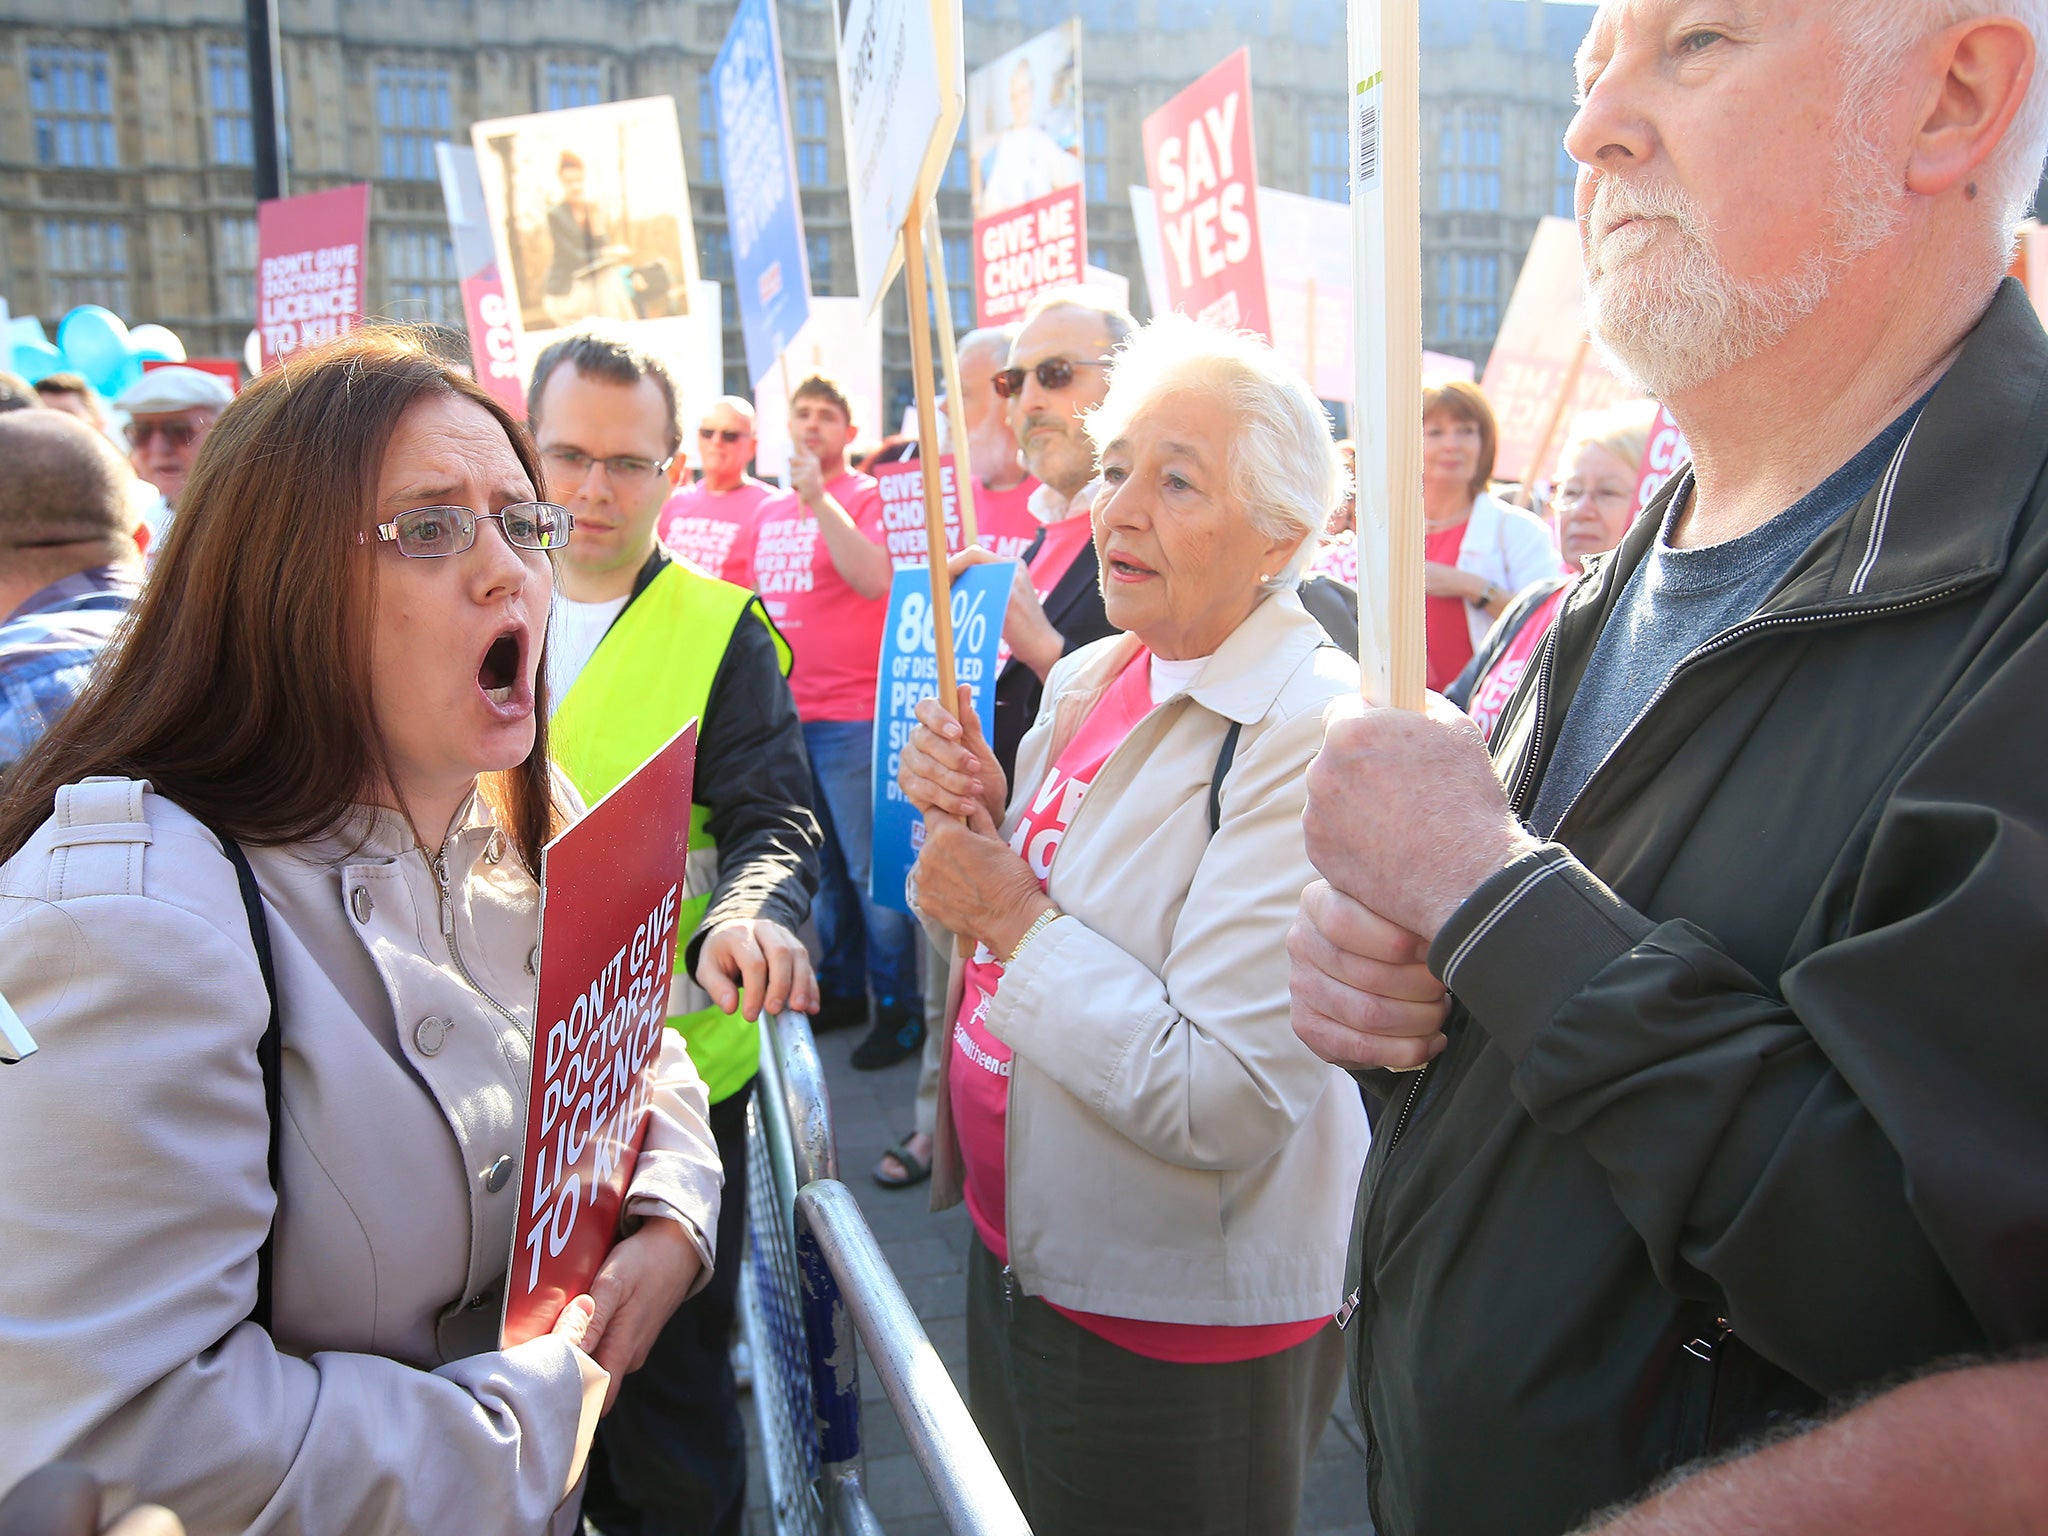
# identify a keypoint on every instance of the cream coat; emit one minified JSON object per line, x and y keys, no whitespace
{"x":1174,"y":1152}
{"x":134,"y":1194}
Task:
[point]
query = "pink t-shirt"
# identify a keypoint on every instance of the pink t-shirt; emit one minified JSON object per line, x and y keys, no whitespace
{"x":714,"y":530}
{"x":1338,"y":560}
{"x":979,"y":1074}
{"x":1064,"y":541}
{"x":1004,"y":520}
{"x":1496,"y":685}
{"x":835,"y":633}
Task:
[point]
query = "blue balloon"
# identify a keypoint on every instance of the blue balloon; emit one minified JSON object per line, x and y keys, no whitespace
{"x":35,"y":360}
{"x":96,"y":342}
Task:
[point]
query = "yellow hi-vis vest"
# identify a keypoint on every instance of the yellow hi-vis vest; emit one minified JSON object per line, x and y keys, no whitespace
{"x":649,"y":677}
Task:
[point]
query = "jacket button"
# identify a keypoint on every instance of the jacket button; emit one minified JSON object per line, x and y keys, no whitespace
{"x":498,"y":1174}
{"x":476,"y":1303}
{"x":533,"y":961}
{"x":494,"y":850}
{"x":431,"y":1032}
{"x":359,"y":903}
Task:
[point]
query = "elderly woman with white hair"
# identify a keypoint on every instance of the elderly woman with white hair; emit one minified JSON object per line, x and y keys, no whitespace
{"x":1158,"y":1172}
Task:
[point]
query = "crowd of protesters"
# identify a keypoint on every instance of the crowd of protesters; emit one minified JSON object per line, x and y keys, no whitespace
{"x":1625,"y":1062}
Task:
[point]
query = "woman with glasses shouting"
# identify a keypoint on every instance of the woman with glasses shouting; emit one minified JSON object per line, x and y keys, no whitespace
{"x":269,"y":906}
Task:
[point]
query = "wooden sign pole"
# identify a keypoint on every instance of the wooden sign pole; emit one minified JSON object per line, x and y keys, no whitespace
{"x":1386,"y":213}
{"x":928,"y":452}
{"x":1558,"y":407}
{"x":956,"y":404}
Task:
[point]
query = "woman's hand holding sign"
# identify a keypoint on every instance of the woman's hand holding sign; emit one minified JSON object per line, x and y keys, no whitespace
{"x":967,"y":879}
{"x":643,"y":1281}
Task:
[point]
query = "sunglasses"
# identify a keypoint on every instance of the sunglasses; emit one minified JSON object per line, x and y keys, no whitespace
{"x":1053,"y":373}
{"x":723,"y":434}
{"x":429,"y":533}
{"x":178,"y":434}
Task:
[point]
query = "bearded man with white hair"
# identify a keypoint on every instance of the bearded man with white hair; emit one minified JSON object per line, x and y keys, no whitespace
{"x":1707,"y":1013}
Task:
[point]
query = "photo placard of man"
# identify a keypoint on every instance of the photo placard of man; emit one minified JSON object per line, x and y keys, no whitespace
{"x":587,"y":277}
{"x":1706,"y":1013}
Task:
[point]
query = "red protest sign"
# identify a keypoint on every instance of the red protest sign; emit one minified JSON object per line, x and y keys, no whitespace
{"x":1200,"y":162}
{"x":1023,"y":251}
{"x":310,"y":267}
{"x":901,"y":487}
{"x":611,"y":890}
{"x":1664,"y":456}
{"x":491,"y":342}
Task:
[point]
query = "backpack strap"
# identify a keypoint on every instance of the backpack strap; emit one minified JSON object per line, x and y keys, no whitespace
{"x":1224,"y":759}
{"x":268,"y":1053}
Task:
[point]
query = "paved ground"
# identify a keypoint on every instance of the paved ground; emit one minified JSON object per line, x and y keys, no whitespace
{"x":928,"y":1252}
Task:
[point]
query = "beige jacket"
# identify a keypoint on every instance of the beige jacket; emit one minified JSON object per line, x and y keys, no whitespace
{"x":1174,"y":1153}
{"x":134,"y":1194}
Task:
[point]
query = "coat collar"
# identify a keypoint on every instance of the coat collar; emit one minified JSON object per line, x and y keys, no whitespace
{"x":1245,"y":676}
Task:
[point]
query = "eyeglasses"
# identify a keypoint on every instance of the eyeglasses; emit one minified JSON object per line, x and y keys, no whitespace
{"x":624,"y":468}
{"x":428,"y":533}
{"x":1053,"y":373}
{"x":176,"y":434}
{"x":723,"y":434}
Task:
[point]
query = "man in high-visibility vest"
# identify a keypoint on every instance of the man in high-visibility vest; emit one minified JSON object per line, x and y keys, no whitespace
{"x":639,"y":644}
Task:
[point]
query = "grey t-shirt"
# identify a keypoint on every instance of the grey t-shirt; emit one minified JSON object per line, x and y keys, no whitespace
{"x":1676,"y":601}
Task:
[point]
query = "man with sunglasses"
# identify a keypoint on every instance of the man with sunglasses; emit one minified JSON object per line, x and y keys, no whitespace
{"x":639,"y":644}
{"x":170,"y":411}
{"x":1059,"y":371}
{"x":711,"y":523}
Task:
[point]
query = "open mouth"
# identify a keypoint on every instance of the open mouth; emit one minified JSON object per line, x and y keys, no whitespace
{"x":1125,"y":569}
{"x":499,"y":675}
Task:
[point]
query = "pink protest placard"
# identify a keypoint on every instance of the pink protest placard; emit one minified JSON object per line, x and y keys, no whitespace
{"x":1024,"y":251}
{"x":1664,"y":456}
{"x":1204,"y":176}
{"x":310,"y":268}
{"x":901,"y":487}
{"x":611,"y":894}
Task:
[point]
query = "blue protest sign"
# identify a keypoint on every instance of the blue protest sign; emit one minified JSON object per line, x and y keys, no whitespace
{"x":910,"y":673}
{"x":757,"y":161}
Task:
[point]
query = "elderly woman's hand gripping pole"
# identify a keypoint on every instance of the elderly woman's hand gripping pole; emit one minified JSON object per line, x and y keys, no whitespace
{"x":966,"y":879}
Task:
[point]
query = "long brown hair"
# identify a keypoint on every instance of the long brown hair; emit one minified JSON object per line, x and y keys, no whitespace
{"x":240,"y":684}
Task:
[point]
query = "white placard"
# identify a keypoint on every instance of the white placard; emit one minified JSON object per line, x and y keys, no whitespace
{"x":902,"y":85}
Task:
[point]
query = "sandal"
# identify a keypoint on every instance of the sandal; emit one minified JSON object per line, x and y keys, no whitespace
{"x":917,"y":1169}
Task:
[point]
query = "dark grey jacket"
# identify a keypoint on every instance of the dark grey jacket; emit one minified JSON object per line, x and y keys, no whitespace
{"x":1745,"y":1105}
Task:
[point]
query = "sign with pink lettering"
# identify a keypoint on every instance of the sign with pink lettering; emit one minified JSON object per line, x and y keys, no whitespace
{"x":310,"y":267}
{"x":1664,"y":456}
{"x":1024,"y":251}
{"x":611,"y":897}
{"x":1204,"y":175}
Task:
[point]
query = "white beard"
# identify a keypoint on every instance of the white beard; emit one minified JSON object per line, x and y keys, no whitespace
{"x":1676,"y":318}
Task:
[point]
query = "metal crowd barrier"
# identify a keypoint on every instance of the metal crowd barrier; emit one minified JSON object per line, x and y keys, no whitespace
{"x":816,"y":1279}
